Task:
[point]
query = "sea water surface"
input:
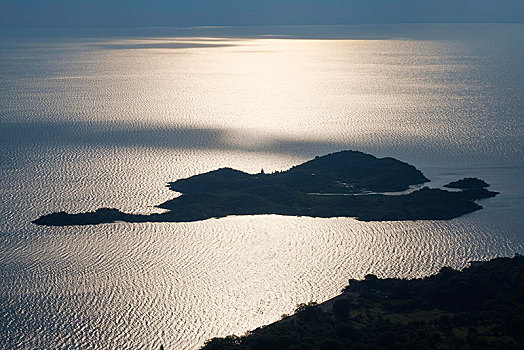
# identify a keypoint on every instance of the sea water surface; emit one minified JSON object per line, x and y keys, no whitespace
{"x":92,"y":118}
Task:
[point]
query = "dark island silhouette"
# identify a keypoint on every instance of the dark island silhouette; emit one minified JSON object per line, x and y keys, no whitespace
{"x":342,"y":184}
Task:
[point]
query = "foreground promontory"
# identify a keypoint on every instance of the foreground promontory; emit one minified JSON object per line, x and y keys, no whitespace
{"x":342,"y":184}
{"x":481,"y":307}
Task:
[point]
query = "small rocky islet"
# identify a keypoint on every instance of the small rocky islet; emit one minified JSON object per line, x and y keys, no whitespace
{"x":341,"y":184}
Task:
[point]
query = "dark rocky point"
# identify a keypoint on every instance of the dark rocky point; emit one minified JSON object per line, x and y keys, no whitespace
{"x":471,"y":183}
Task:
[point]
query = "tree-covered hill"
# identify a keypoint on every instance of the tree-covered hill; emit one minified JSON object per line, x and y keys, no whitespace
{"x":481,"y":307}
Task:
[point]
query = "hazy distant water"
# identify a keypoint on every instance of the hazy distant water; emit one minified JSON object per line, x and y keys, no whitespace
{"x":106,"y":118}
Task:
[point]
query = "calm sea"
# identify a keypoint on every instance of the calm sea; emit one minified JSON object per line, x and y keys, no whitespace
{"x":92,"y":118}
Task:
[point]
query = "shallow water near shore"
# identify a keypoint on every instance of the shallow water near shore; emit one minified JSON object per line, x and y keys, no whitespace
{"x":106,"y":119}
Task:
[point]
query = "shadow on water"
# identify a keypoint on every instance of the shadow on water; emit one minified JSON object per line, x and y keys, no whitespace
{"x":415,"y":31}
{"x":16,"y":135}
{"x":163,"y":45}
{"x":90,"y":134}
{"x":47,"y":133}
